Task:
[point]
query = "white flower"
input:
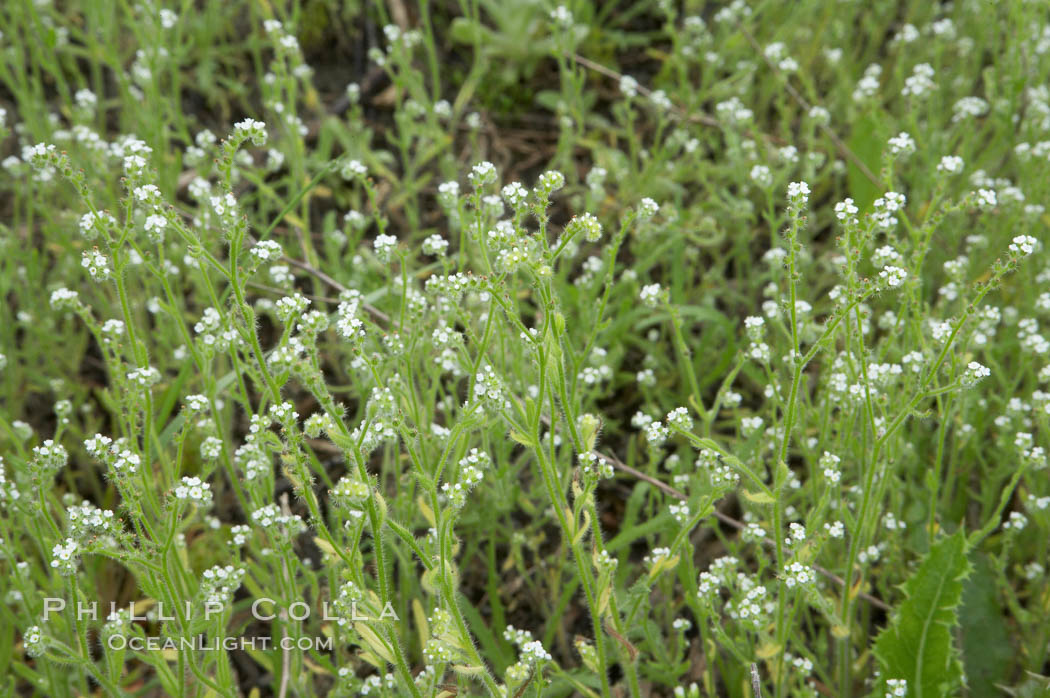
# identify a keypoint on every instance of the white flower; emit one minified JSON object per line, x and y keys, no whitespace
{"x":753,"y":325}
{"x":255,"y":130}
{"x":902,"y":144}
{"x":986,"y":198}
{"x":975,"y":372}
{"x":64,"y":557}
{"x":969,"y":106}
{"x":647,"y":208}
{"x":846,"y":211}
{"x":896,"y":688}
{"x":63,"y":298}
{"x":586,"y":224}
{"x":798,"y":193}
{"x":893,"y":276}
{"x":761,"y":175}
{"x":561,"y":16}
{"x":628,"y":86}
{"x":679,"y":418}
{"x":1023,"y":245}
{"x":950,"y":164}
{"x":384,"y":246}
{"x":798,"y":574}
{"x":194,"y":490}
{"x":96,"y":264}
{"x":481,"y":174}
{"x":435,"y":246}
{"x":266,"y":250}
{"x":650,"y":294}
{"x":550,"y":181}
{"x":353,"y":169}
{"x":144,"y":377}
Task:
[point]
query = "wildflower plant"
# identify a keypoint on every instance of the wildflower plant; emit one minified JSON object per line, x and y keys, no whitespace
{"x":719,"y":373}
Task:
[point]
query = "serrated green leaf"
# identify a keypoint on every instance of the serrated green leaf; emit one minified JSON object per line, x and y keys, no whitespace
{"x":917,"y":645}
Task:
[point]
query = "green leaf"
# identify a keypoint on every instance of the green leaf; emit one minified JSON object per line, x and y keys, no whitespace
{"x":917,"y":645}
{"x":986,"y":648}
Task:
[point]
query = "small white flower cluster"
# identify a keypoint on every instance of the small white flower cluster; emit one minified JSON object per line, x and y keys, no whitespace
{"x":482,"y":174}
{"x":829,"y":464}
{"x":50,"y":456}
{"x":470,"y":476}
{"x":319,"y":423}
{"x":733,"y":112}
{"x":349,"y":325}
{"x":211,"y":448}
{"x":680,"y":512}
{"x":144,"y":377}
{"x":284,"y":413}
{"x":253,"y":130}
{"x":290,"y":308}
{"x":846,"y":212}
{"x":96,"y":263}
{"x":435,"y":246}
{"x":679,"y":418}
{"x":197,"y":403}
{"x":64,"y":299}
{"x":920,"y":82}
{"x":33,"y":641}
{"x":219,"y":583}
{"x":351,"y":491}
{"x":87,"y":518}
{"x":595,"y":466}
{"x":868,"y":85}
{"x":950,"y":164}
{"x":986,"y":199}
{"x":266,"y":251}
{"x":762,"y":176}
{"x":902,"y":144}
{"x":896,"y":688}
{"x":657,"y":556}
{"x":974,"y":372}
{"x":1016,"y":522}
{"x":884,"y":208}
{"x":647,"y":208}
{"x":969,"y":107}
{"x":798,"y":574}
{"x":835,"y":529}
{"x":239,"y":534}
{"x":91,"y":224}
{"x":549,"y":182}
{"x":121,"y":460}
{"x":749,"y":610}
{"x":269,"y":517}
{"x":587,"y":225}
{"x":384,"y":246}
{"x":798,"y":194}
{"x":64,"y":557}
{"x":651,"y":294}
{"x":719,"y":473}
{"x":751,"y":425}
{"x":893,"y":276}
{"x":193,"y":490}
{"x":516,"y":195}
{"x":488,"y":386}
{"x":532,"y":652}
{"x":656,"y":433}
{"x":1023,"y":245}
{"x":353,"y":169}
